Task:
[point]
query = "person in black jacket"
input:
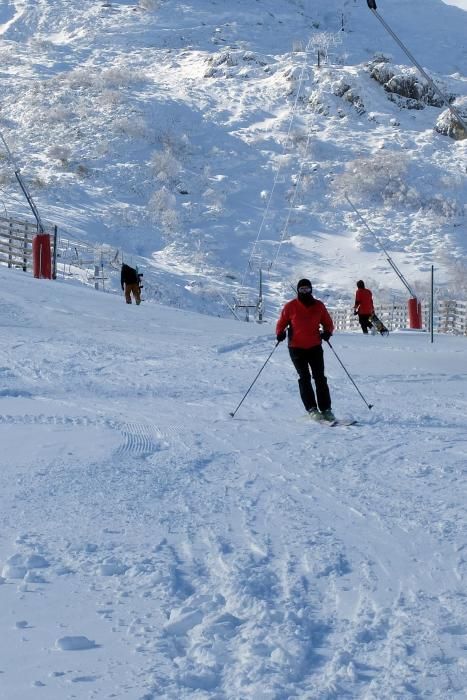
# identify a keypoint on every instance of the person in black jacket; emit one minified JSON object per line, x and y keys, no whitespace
{"x":129,"y":280}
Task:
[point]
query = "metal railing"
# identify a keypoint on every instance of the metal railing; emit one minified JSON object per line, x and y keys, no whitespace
{"x":450,"y":316}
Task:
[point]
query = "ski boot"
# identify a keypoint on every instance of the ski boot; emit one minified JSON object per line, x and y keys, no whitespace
{"x":328,"y":415}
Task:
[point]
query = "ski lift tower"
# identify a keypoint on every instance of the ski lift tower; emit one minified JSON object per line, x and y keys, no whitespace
{"x":245,"y":300}
{"x":41,"y":249}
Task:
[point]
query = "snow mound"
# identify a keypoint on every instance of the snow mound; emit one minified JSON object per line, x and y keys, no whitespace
{"x":78,"y":643}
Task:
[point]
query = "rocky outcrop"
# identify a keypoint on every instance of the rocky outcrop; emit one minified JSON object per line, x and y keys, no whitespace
{"x":405,"y":86}
{"x":447,"y":123}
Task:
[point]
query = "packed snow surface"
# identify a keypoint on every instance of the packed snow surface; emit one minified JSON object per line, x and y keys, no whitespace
{"x":154,"y":547}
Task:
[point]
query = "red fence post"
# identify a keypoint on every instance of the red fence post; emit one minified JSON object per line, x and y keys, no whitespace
{"x":415,"y":313}
{"x":41,"y":256}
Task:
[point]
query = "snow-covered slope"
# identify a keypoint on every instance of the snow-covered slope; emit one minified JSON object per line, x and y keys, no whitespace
{"x":153,"y":547}
{"x":202,"y":137}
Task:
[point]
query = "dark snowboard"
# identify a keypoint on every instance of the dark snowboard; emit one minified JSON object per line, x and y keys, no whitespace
{"x":379,"y":325}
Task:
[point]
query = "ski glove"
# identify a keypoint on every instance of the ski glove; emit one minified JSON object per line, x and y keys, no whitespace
{"x":325,"y":335}
{"x":281,"y":336}
{"x":372,"y":4}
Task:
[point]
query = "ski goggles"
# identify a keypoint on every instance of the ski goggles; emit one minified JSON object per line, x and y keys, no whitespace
{"x":304,"y":290}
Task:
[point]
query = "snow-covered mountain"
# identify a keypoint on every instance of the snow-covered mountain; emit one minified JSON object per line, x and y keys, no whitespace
{"x":203,"y":137}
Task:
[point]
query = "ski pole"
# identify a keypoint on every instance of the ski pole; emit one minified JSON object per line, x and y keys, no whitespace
{"x":368,"y":405}
{"x":254,"y":380}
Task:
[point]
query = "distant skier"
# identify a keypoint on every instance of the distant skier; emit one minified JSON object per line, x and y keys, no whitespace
{"x":372,"y":4}
{"x":130,"y":282}
{"x":304,"y":317}
{"x":364,"y":306}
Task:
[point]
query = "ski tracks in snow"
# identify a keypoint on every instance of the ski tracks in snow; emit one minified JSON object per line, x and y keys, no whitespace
{"x":218,"y":558}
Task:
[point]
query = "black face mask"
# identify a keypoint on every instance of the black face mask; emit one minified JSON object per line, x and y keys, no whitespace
{"x":306,"y":299}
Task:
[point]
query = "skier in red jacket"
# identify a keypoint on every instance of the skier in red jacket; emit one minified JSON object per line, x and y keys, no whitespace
{"x":304,"y":317}
{"x":364,"y":306}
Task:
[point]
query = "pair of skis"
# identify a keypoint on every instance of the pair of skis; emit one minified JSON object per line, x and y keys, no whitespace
{"x":333,"y":423}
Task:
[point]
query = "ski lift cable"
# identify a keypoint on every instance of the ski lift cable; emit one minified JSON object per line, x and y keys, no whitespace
{"x":285,"y":228}
{"x":388,"y":257}
{"x":276,"y":178}
{"x":12,"y":197}
{"x":297,"y":189}
{"x":455,"y":112}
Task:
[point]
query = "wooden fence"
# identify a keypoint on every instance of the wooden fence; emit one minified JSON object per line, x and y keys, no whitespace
{"x":16,"y":243}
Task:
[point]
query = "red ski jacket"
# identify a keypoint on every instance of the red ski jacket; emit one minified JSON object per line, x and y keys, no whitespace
{"x":364,"y":302}
{"x":304,"y":323}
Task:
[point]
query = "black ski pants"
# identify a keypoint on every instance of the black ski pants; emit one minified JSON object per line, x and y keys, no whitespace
{"x":364,"y":321}
{"x":304,"y":360}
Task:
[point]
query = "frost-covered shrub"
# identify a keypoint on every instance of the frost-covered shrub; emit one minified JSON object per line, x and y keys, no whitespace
{"x":135,"y":127}
{"x":457,"y":271}
{"x":177,"y":142}
{"x":384,"y":179}
{"x":381,"y":57}
{"x":149,"y":5}
{"x":110,"y":98}
{"x":161,"y":209}
{"x":293,"y":73}
{"x":161,"y":200}
{"x":339,"y":87}
{"x":299,"y":138}
{"x":316,"y":104}
{"x":81,"y":78}
{"x":380,"y":177}
{"x":8,"y":57}
{"x":442,"y":207}
{"x":355,"y":100}
{"x":214,"y":200}
{"x":170,"y":221}
{"x":82,"y":171}
{"x":61,"y":153}
{"x":116,"y":77}
{"x":165,"y":166}
{"x":59,"y":114}
{"x":322,"y":42}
